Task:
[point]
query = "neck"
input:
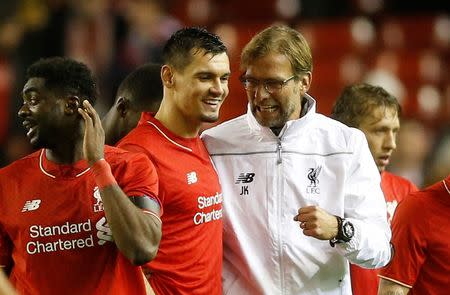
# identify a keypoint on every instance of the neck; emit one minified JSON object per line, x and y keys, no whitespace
{"x":67,"y":152}
{"x":276,"y":130}
{"x":177,"y":123}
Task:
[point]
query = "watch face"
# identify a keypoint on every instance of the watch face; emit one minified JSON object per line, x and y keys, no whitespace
{"x":348,"y":230}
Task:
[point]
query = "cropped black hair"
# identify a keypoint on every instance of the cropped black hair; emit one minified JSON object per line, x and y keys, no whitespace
{"x":144,"y":86}
{"x":178,"y":50}
{"x":65,"y":74}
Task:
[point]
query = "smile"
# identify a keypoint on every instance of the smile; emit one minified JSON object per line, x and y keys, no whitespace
{"x":268,"y":109}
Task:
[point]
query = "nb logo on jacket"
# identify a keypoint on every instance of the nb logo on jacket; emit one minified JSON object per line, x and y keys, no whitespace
{"x":245,"y":178}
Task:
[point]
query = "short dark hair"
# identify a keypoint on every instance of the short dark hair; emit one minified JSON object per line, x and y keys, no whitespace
{"x":144,"y":86}
{"x":358,"y":101}
{"x":66,"y":74}
{"x":177,"y":50}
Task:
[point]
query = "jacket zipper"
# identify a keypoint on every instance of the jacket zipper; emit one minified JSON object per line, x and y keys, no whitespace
{"x":279,"y":213}
{"x":279,"y":161}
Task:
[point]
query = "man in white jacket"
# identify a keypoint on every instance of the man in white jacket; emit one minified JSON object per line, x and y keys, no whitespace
{"x":301,"y":191}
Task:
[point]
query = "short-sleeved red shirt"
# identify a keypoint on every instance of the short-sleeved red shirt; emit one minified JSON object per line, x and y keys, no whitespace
{"x":395,"y":189}
{"x":53,"y":230}
{"x":189,"y":259}
{"x":421,"y":240}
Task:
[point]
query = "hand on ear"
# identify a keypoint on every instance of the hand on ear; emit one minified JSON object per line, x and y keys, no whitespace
{"x":72,"y":104}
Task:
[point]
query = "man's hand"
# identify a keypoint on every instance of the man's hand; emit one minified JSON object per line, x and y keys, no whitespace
{"x":317,"y":223}
{"x":94,"y":135}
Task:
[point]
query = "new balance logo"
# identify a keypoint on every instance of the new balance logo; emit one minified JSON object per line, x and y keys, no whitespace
{"x":245,"y":178}
{"x":31,"y":205}
{"x":191,"y":177}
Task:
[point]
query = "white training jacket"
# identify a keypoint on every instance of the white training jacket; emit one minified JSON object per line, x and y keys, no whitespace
{"x":266,"y":178}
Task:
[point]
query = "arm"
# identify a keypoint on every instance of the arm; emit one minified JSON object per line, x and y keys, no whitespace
{"x":364,"y":207}
{"x":137,"y":234}
{"x":5,"y":286}
{"x":387,"y":287}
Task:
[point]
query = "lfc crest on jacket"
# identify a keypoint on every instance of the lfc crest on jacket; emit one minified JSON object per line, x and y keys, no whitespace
{"x":313,"y":177}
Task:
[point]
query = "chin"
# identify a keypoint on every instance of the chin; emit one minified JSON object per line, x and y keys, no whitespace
{"x":210,"y":119}
{"x":35,"y":142}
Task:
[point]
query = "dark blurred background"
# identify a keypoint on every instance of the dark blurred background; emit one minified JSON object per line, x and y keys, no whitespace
{"x":402,"y":46}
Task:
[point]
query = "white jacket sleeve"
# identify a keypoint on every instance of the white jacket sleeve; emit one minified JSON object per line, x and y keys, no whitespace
{"x":365,"y":207}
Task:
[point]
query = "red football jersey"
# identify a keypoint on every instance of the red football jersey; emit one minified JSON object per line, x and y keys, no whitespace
{"x":421,"y":239}
{"x":53,"y":215}
{"x":189,"y":259}
{"x":395,"y":188}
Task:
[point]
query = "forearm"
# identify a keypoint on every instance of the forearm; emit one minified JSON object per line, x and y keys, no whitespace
{"x":387,"y":287}
{"x":136,"y":233}
{"x":5,"y":286}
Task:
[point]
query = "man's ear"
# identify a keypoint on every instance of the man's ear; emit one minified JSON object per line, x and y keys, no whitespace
{"x":167,"y":76}
{"x":73,"y":102}
{"x":306,"y":81}
{"x":122,"y":106}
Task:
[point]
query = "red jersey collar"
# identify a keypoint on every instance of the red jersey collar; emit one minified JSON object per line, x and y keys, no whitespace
{"x":54,"y":170}
{"x":188,"y":144}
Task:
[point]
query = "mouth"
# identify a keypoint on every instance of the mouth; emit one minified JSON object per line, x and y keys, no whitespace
{"x":30,"y":127}
{"x":267,"y":108}
{"x":213,"y":102}
{"x":383,"y":160}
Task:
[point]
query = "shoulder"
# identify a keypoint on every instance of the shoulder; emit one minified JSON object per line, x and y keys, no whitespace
{"x":140,"y":139}
{"x":227,"y":134}
{"x":399,"y":181}
{"x":18,"y":166}
{"x":220,"y":131}
{"x":415,"y":202}
{"x":137,"y":134}
{"x":330,"y":134}
{"x":119,"y":156}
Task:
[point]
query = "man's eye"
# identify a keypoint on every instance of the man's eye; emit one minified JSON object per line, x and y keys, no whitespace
{"x":204,"y":77}
{"x":273,"y":83}
{"x":33,"y":101}
{"x":251,"y":82}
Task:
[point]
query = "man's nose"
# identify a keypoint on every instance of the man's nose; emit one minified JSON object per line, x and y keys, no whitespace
{"x":218,"y":89}
{"x":390,"y":141}
{"x":261,"y":92}
{"x":24,"y":111}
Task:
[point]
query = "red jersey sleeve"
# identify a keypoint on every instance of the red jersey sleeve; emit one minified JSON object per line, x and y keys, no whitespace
{"x":408,"y":239}
{"x":137,"y":176}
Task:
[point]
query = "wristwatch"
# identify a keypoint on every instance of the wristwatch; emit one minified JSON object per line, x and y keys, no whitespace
{"x":346,"y":231}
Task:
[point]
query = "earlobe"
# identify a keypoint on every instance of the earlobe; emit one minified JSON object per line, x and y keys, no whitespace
{"x":167,"y":76}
